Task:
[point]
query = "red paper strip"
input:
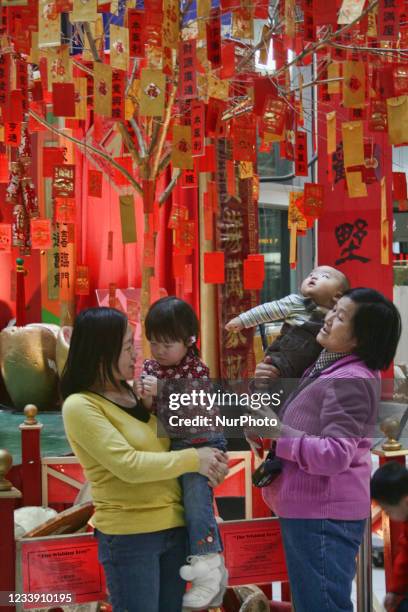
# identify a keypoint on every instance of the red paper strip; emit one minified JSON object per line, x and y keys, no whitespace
{"x":188,"y":278}
{"x":5,"y":238}
{"x":41,"y":234}
{"x":206,"y":163}
{"x":197,"y":128}
{"x":118,"y":94}
{"x":4,"y":78}
{"x":63,"y":99}
{"x":22,"y":82}
{"x":388,"y":19}
{"x":12,"y":134}
{"x":4,"y":169}
{"x":214,"y":271}
{"x":95,"y":183}
{"x":399,"y":186}
{"x":214,"y":38}
{"x":136,"y":28}
{"x":189,"y":178}
{"x":301,"y":167}
{"x":188,"y":70}
{"x":228,"y":60}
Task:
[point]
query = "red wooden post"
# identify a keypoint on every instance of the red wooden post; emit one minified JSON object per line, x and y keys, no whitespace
{"x":31,"y":457}
{"x":20,"y":293}
{"x":8,"y":496}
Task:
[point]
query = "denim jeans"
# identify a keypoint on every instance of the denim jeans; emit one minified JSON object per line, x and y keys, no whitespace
{"x":321,"y":561}
{"x":142,"y":570}
{"x":203,"y":534}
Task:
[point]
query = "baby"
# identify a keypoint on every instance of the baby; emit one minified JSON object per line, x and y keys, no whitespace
{"x":296,"y":348}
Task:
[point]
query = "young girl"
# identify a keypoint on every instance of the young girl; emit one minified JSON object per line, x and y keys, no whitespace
{"x":172,"y":328}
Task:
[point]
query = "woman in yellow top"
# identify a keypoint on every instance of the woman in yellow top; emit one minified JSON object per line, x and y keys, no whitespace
{"x":138,"y":518}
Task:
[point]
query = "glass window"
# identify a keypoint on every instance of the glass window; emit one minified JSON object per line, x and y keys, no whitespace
{"x":274,"y":245}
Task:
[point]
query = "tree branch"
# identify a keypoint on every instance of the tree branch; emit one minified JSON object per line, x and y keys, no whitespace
{"x":139,"y":136}
{"x":165,"y":194}
{"x":94,"y":50}
{"x":90,"y":147}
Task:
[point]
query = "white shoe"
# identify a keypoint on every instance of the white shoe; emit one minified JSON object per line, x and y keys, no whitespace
{"x":200,"y":565}
{"x":207,"y":591}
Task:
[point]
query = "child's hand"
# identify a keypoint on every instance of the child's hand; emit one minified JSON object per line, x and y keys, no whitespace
{"x":391,"y":601}
{"x":149,"y":386}
{"x":138,"y":387}
{"x":234,"y":325}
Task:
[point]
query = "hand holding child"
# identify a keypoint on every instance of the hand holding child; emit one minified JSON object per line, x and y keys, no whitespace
{"x":391,"y":602}
{"x":234,"y":325}
{"x":149,"y":384}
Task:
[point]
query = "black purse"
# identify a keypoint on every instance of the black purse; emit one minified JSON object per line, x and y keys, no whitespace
{"x":269,"y":469}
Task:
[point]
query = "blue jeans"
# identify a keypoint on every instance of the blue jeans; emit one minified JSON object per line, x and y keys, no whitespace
{"x":403,"y":606}
{"x":203,"y":534}
{"x":142,"y":570}
{"x":321,"y":561}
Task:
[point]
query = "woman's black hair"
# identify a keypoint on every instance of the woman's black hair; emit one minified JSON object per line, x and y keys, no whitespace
{"x":376,"y":327}
{"x":94,"y":350}
{"x":172,"y":320}
{"x":389,"y":483}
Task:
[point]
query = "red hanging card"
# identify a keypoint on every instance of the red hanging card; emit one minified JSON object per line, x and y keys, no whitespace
{"x":197,"y":128}
{"x":377,"y":116}
{"x":178,"y":265}
{"x":214,"y":271}
{"x":206,"y":163}
{"x":4,"y":170}
{"x":63,"y":183}
{"x":22,"y":82}
{"x":52,"y":156}
{"x":4,"y":78}
{"x":41,"y":234}
{"x":118,"y":94}
{"x":301,"y":167}
{"x":208,"y":218}
{"x":263,"y":87}
{"x":12,"y":134}
{"x":37,"y":91}
{"x":400,"y":79}
{"x":188,"y":70}
{"x":254,"y":272}
{"x":65,"y":210}
{"x":136,"y":28}
{"x":215,"y":109}
{"x":388,"y":19}
{"x":95,"y":183}
{"x":63,"y":99}
{"x":13,"y":110}
{"x":189,"y":178}
{"x":399,"y":186}
{"x":188,"y":278}
{"x":5,"y":238}
{"x":82,"y":280}
{"x":313,"y":200}
{"x":243,"y":143}
{"x":325,"y":13}
{"x":309,"y":26}
{"x":214,"y":38}
{"x":228,"y":60}
{"x":231,"y":183}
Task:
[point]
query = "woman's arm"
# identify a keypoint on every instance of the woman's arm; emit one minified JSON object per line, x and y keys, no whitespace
{"x":347,"y":413}
{"x":88,"y":428}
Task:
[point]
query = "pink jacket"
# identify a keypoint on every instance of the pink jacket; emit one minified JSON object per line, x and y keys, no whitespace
{"x":325,"y":448}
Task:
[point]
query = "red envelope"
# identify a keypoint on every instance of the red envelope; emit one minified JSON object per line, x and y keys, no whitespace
{"x":206,"y":163}
{"x":52,"y":156}
{"x":214,"y":271}
{"x":13,"y":110}
{"x":254,"y":272}
{"x":63,"y":99}
{"x":95,"y":183}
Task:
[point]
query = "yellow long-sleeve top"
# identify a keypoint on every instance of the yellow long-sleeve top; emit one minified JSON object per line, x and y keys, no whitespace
{"x":133,"y":476}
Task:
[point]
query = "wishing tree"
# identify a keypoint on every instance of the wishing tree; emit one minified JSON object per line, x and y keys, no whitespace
{"x":191,"y":91}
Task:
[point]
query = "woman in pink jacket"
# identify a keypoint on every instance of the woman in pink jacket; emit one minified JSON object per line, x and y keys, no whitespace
{"x":322,"y":495}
